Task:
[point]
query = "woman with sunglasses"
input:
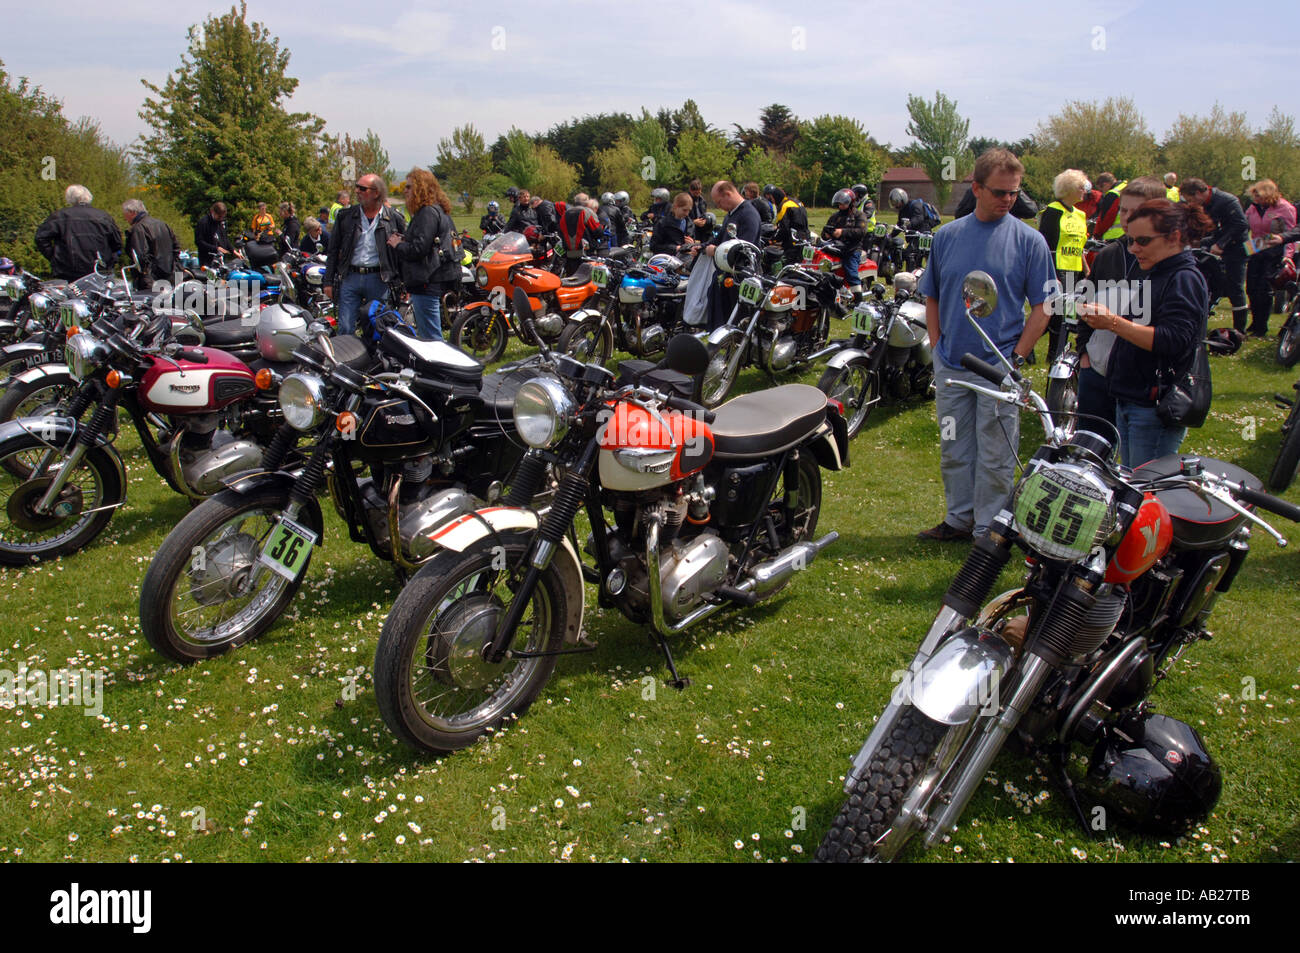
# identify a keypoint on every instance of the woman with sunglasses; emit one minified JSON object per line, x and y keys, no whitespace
{"x":1160,"y":341}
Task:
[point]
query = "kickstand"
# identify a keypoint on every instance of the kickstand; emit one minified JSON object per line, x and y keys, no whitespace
{"x":677,"y":682}
{"x":1059,"y":759}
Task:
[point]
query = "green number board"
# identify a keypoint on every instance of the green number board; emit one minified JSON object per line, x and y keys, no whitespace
{"x":924,"y":242}
{"x":862,"y":319}
{"x":808,"y":252}
{"x":600,"y":276}
{"x":751,"y":291}
{"x":1058,"y":515}
{"x":288,"y":548}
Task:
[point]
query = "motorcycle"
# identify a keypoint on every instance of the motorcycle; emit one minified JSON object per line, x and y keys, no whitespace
{"x":829,"y":256}
{"x":1124,"y":569}
{"x":482,"y":328}
{"x":639,"y":307}
{"x":887,"y":356}
{"x":779,"y":324}
{"x":893,"y":249}
{"x":429,"y":429}
{"x":1288,"y":453}
{"x":709,"y":509}
{"x":1288,"y":336}
{"x":1063,"y":375}
{"x":201,"y":415}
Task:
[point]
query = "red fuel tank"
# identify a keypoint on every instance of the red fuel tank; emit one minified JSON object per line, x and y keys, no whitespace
{"x":188,"y":387}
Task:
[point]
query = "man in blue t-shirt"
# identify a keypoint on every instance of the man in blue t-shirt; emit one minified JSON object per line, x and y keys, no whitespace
{"x":978,"y":435}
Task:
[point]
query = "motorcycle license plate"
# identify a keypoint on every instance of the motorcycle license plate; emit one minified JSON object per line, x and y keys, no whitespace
{"x":862,"y":320}
{"x":67,"y":317}
{"x":287,"y":548}
{"x":599,"y":276}
{"x":808,"y":252}
{"x":881,"y":230}
{"x":1059,"y":516}
{"x":751,"y":291}
{"x":923,"y":242}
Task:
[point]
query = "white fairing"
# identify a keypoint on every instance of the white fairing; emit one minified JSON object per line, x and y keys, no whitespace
{"x":617,"y":476}
{"x":176,"y":390}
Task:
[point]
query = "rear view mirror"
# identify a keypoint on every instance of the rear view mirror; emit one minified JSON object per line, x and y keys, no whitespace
{"x":980,"y":294}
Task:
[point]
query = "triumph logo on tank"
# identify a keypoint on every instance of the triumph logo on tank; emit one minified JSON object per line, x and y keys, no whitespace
{"x":399,"y":420}
{"x":184,"y":388}
{"x":102,"y":907}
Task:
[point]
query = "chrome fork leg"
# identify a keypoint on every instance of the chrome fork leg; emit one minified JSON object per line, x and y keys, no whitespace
{"x":65,"y":473}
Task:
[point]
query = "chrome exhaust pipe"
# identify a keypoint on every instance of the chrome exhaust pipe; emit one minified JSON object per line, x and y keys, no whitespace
{"x":769,"y":576}
{"x":825,"y":352}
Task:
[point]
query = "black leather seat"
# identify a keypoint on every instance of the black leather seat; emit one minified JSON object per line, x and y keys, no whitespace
{"x":579,"y":277}
{"x":650,"y":374}
{"x":229,"y":333}
{"x":351,"y":350}
{"x":767,"y":422}
{"x":1196,"y":525}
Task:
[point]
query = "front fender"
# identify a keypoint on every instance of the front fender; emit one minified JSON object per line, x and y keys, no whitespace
{"x":251,"y":481}
{"x":42,"y":371}
{"x":60,"y":431}
{"x":473,"y":528}
{"x":719,"y":335}
{"x":845,"y":357}
{"x":961,"y":679}
{"x":584,"y":314}
{"x":1064,"y":367}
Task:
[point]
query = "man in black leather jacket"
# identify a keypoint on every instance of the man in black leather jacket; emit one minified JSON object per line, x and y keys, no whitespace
{"x":152,"y":242}
{"x":75,"y":237}
{"x":210,"y":234}
{"x":523,"y":214}
{"x":1230,"y":232}
{"x":360,"y":266}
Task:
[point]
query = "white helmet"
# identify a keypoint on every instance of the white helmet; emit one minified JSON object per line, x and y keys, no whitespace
{"x":620,"y":198}
{"x":659,"y":195}
{"x":736,"y":254}
{"x":606,"y":198}
{"x":897,"y":198}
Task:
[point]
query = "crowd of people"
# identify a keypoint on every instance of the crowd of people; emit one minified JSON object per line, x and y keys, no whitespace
{"x":1135,"y":342}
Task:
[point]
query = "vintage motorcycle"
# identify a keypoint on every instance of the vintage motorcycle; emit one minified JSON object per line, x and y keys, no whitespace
{"x":482,"y":328}
{"x":1288,"y":453}
{"x":893,"y":249}
{"x":1124,"y":568}
{"x":1288,"y":336}
{"x":780,"y":324}
{"x":639,"y":307}
{"x":887,"y":356}
{"x":399,"y":451}
{"x":709,"y":510}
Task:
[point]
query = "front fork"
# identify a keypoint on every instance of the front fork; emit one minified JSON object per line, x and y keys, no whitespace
{"x":85,"y":439}
{"x":569,"y":498}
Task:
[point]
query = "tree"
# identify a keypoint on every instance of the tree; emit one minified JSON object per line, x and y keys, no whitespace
{"x":219,"y":127}
{"x":843,"y":151}
{"x":1110,"y":136}
{"x":706,"y":156}
{"x":556,"y":179}
{"x":578,"y":140}
{"x":464,"y":161}
{"x":519,"y":163}
{"x":941,"y":135}
{"x":658,"y":166}
{"x":364,"y":155}
{"x":1218,"y":148}
{"x":1277,"y":149}
{"x":677,"y":121}
{"x":619,"y":167}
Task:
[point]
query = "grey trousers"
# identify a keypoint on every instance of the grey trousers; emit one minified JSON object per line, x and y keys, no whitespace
{"x":976,"y":436}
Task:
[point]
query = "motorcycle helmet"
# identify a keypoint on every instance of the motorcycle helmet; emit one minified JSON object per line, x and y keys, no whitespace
{"x":778,"y":194}
{"x":532,"y":234}
{"x":281,"y":329}
{"x":1285,"y":274}
{"x":861,"y":191}
{"x":606,"y":198}
{"x":620,"y":198}
{"x":658,"y":195}
{"x":768,"y":190}
{"x":842,"y":197}
{"x":493,"y":206}
{"x":7,"y":266}
{"x":897,"y":198}
{"x":512,"y":193}
{"x":905,"y":281}
{"x":736,"y":255}
{"x":1152,"y":772}
{"x":664,"y":262}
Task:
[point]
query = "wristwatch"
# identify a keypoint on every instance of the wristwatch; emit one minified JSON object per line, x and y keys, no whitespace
{"x":1017,"y":360}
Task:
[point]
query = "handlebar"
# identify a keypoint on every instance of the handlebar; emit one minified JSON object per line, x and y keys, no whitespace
{"x":994,"y":375}
{"x":1270,"y":503}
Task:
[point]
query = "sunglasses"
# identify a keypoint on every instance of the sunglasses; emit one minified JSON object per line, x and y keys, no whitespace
{"x":1000,"y":193}
{"x":1142,"y":241}
{"x":366,"y":188}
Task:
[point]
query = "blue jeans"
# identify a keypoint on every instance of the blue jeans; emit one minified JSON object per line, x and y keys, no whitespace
{"x":427,"y":309}
{"x":977,"y":435}
{"x":355,"y":295}
{"x":1094,"y":399}
{"x":852,"y":260}
{"x":1142,"y":437}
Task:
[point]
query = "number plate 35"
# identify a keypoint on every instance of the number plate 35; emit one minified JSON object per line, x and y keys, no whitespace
{"x":1063,"y":510}
{"x":288,"y":548}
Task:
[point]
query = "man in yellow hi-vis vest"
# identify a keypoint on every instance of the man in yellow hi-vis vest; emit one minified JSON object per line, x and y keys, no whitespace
{"x":1107,"y":227}
{"x":1171,"y":186}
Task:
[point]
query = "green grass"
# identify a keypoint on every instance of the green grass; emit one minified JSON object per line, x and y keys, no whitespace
{"x":610,"y":763}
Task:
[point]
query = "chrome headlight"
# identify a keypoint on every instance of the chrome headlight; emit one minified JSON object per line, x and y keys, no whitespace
{"x":82,"y":354}
{"x":543,"y":409}
{"x":1063,"y":510}
{"x":11,"y":288}
{"x":302,"y":399}
{"x":481,"y":276}
{"x":39,"y":305}
{"x":74,"y":313}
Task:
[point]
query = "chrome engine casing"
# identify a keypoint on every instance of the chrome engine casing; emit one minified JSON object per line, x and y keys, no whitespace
{"x":782,"y":353}
{"x":689,"y":570}
{"x":416,"y":522}
{"x":549,"y":324}
{"x":206,"y":471}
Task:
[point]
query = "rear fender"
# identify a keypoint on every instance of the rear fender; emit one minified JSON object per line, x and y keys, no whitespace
{"x":828,"y":448}
{"x":1064,"y":367}
{"x":478,"y":527}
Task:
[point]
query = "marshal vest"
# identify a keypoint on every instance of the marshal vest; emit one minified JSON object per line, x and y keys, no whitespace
{"x":1116,"y":230}
{"x":1074,"y":232}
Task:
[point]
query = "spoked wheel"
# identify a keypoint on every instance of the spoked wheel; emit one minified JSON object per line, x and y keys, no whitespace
{"x":34,"y":399}
{"x":720,"y":376}
{"x":590,"y":341}
{"x":1288,"y":455}
{"x":856,"y":387}
{"x":79,"y":514}
{"x":205,"y":591}
{"x":1288,"y":342}
{"x":434,"y":689}
{"x":481,"y":333}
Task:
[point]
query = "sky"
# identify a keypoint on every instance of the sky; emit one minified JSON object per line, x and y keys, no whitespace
{"x":412,"y":70}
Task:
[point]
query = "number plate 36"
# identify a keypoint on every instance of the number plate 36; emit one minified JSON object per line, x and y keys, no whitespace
{"x":288,"y":548}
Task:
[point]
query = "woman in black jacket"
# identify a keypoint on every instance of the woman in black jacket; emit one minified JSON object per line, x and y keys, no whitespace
{"x":426,"y":252}
{"x":1161,"y":341}
{"x":672,"y":232}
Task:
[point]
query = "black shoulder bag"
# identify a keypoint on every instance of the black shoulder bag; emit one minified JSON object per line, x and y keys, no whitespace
{"x":1184,"y":399}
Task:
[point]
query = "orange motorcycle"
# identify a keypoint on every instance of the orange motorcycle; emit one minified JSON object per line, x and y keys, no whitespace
{"x":482,"y":328}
